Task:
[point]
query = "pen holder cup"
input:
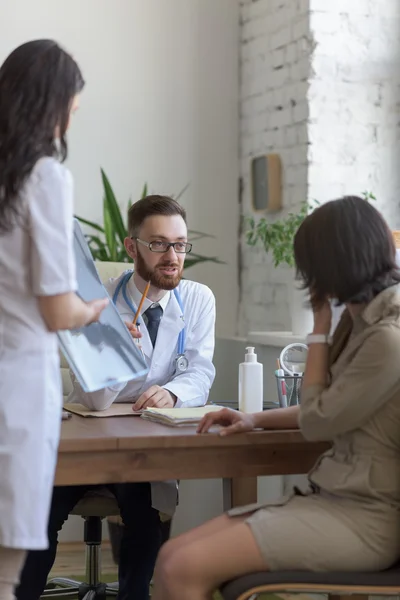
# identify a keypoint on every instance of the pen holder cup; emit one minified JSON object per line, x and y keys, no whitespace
{"x":289,"y":388}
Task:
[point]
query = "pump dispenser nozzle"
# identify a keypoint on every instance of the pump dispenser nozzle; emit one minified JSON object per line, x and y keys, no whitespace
{"x":250,"y":355}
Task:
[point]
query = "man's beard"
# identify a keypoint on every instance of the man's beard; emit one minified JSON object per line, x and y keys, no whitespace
{"x":157,"y":279}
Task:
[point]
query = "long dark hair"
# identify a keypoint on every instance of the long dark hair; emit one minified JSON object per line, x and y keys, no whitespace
{"x":345,"y":250}
{"x":38,"y":82}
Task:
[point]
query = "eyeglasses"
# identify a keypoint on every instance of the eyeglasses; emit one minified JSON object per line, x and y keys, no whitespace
{"x":162,"y":247}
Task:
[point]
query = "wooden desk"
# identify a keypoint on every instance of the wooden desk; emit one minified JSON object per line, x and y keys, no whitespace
{"x":125,"y":449}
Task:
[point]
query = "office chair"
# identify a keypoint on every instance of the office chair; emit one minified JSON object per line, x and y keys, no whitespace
{"x":93,"y":508}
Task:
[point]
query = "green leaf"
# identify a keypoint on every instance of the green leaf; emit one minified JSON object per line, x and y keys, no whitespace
{"x":97,"y":245}
{"x":90,"y":224}
{"x":198,"y":235}
{"x":191,"y":262}
{"x":180,"y":194}
{"x":109,"y":232}
{"x":115,"y":218}
{"x":144,"y":191}
{"x":195,"y":259}
{"x":368,"y":196}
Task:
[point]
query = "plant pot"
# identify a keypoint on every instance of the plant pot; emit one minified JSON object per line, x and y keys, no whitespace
{"x":301,"y":314}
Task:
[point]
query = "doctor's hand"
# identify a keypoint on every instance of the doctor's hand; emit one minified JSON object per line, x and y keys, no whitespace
{"x":232,"y":421}
{"x":155,"y":397}
{"x":133,"y":330}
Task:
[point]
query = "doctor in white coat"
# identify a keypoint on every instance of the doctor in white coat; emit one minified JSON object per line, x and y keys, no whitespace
{"x":177,"y":338}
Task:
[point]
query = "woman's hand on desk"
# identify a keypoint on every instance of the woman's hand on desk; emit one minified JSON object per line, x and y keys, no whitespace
{"x":232,"y":421}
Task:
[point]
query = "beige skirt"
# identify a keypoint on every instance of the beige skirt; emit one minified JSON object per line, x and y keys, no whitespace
{"x":322,"y":533}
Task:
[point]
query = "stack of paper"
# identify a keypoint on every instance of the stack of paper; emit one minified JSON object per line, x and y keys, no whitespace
{"x":178,"y":416}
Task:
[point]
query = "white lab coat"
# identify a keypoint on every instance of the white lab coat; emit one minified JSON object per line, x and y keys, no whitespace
{"x":36,"y":258}
{"x":191,"y":388}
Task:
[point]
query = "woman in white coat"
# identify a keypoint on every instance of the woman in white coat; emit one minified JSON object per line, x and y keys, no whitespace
{"x":39,"y":87}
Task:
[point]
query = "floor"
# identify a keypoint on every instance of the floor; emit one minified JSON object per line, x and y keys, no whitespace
{"x":71,"y":559}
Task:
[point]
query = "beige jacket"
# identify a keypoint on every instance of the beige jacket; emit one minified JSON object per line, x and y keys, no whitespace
{"x":360,"y":410}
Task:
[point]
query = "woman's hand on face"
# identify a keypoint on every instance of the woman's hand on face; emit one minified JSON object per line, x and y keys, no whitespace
{"x":322,"y":317}
{"x":232,"y":421}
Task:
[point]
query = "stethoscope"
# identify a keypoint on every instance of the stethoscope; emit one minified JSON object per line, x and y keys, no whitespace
{"x":181,"y":361}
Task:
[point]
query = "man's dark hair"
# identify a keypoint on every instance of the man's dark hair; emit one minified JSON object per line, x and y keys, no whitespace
{"x":152,"y":206}
{"x":345,"y":250}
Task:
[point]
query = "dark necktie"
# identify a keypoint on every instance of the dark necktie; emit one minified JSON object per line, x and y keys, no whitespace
{"x":153,"y":314}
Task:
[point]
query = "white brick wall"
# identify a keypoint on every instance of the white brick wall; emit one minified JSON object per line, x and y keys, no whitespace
{"x":320,"y":85}
{"x":274,"y":72}
{"x":354,"y":102}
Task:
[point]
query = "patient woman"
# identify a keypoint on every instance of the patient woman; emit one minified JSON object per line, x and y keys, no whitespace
{"x":349,"y":520}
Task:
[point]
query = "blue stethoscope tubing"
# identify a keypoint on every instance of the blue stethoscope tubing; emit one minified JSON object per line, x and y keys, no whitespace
{"x":121,"y":287}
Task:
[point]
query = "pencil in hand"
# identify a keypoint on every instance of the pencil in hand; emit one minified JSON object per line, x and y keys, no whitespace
{"x":146,"y":291}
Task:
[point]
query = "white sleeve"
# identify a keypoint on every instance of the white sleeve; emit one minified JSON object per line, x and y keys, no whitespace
{"x":100,"y":400}
{"x":50,"y":206}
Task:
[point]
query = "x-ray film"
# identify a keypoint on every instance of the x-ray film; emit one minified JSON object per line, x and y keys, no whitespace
{"x":101,"y":354}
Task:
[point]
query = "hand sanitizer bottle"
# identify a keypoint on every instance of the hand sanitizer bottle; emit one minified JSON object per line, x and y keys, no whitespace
{"x":250,"y":383}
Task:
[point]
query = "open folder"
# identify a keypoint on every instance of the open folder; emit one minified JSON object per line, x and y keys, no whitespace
{"x":115,"y":410}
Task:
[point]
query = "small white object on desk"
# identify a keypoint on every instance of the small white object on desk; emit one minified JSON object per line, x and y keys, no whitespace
{"x":250,"y":383}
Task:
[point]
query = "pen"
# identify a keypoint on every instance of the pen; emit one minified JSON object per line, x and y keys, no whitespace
{"x":146,"y":291}
{"x":280,"y":372}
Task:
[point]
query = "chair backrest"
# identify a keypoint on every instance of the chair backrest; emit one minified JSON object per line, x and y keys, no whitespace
{"x":106,"y":271}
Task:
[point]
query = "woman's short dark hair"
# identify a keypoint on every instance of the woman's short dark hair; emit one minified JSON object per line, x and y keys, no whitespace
{"x":345,"y":250}
{"x":151,"y":206}
{"x":38,"y":82}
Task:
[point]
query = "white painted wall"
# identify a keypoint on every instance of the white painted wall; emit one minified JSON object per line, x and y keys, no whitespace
{"x":160,"y":105}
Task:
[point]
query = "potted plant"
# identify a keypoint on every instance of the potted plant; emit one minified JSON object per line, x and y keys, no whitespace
{"x":106,"y":243}
{"x":277,"y":239}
